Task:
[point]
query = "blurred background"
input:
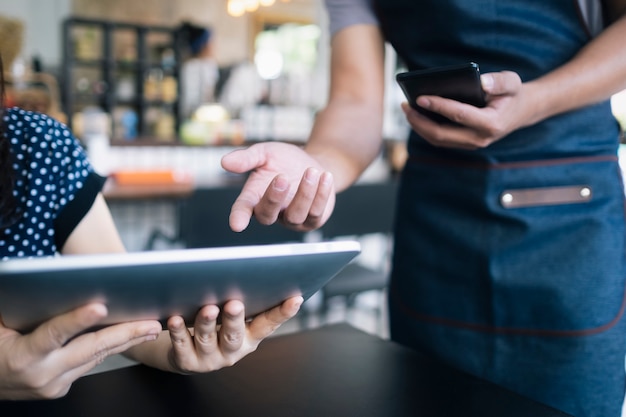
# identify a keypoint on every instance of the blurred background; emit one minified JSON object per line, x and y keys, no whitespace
{"x":158,"y":90}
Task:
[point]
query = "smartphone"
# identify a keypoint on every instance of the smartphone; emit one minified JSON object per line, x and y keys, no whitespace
{"x":456,"y":82}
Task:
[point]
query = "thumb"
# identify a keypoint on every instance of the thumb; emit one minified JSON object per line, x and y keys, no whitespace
{"x":501,"y":83}
{"x":243,"y":160}
{"x":56,"y":332}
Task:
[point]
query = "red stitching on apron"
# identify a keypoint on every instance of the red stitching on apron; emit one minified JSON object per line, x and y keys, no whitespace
{"x":509,"y":165}
{"x":484,"y":328}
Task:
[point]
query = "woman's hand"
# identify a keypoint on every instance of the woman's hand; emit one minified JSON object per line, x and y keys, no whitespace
{"x":509,"y":107}
{"x":209,"y":346}
{"x":45,"y":363}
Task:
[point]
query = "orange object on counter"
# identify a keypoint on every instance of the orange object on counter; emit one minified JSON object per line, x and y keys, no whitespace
{"x":150,"y":177}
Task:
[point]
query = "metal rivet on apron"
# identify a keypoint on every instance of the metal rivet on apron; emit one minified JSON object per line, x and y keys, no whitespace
{"x":506,"y":198}
{"x":585,"y":192}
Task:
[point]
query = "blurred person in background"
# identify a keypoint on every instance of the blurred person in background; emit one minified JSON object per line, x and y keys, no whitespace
{"x":200,"y":72}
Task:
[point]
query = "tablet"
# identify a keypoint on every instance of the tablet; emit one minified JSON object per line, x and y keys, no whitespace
{"x":160,"y":284}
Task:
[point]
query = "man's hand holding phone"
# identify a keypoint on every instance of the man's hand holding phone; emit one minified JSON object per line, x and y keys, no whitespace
{"x":456,"y":82}
{"x":457,"y":107}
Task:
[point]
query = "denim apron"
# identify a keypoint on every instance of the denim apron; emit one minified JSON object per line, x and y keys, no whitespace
{"x":509,"y":262}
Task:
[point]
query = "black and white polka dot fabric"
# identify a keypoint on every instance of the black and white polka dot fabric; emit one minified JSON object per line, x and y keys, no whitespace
{"x":54,"y":184}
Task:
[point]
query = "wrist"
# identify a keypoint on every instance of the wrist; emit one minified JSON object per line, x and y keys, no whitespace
{"x":537,"y":105}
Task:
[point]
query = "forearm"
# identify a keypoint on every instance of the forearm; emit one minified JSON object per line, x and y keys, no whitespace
{"x":593,"y":75}
{"x":97,"y":223}
{"x":347,"y":134}
{"x":345,"y":140}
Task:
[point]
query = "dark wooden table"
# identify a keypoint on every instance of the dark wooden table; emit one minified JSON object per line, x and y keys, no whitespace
{"x":331,"y":371}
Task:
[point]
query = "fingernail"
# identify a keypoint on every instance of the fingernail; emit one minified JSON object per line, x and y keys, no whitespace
{"x":486,"y":81}
{"x":327,"y":178}
{"x":236,"y":310}
{"x":152,"y":334}
{"x":213,"y":313}
{"x":280,"y":184}
{"x":312,"y":175}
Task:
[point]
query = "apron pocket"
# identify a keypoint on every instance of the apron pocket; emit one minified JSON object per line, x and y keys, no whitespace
{"x":529,"y":248}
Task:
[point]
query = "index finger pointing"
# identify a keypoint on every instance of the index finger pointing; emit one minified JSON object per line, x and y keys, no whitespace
{"x":241,"y":212}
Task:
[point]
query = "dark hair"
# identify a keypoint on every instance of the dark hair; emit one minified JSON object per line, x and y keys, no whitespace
{"x":194,"y":36}
{"x":8,"y":208}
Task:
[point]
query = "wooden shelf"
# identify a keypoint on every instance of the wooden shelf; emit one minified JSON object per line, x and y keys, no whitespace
{"x":108,"y":69}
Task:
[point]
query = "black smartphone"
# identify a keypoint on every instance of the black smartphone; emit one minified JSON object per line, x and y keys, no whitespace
{"x":456,"y":82}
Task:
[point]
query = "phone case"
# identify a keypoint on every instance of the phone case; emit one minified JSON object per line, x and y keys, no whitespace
{"x":457,"y":82}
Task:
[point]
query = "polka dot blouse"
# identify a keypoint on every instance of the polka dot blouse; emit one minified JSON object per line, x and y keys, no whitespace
{"x":54,"y":184}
